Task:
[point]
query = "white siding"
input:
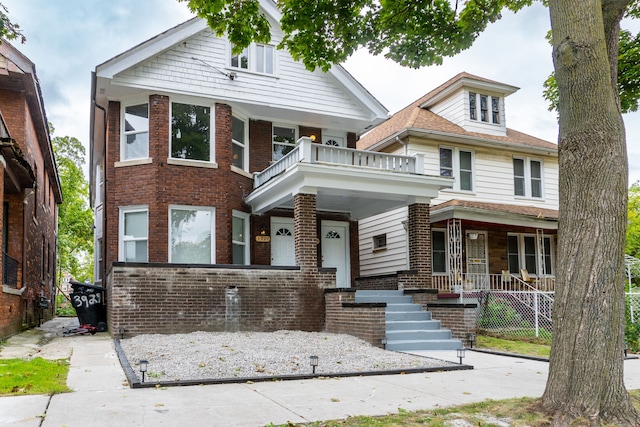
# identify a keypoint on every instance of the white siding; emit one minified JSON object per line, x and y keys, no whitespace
{"x":454,"y":108}
{"x":493,"y":175}
{"x":291,"y":87}
{"x":394,"y":257}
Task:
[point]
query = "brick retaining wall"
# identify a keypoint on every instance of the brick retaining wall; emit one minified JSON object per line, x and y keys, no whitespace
{"x":365,"y":321}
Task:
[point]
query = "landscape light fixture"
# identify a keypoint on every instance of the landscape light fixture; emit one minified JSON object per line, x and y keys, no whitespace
{"x":472,"y":338}
{"x":460,"y":353}
{"x":143,"y":367}
{"x":313,"y":361}
{"x":384,"y":342}
{"x":121,"y":332}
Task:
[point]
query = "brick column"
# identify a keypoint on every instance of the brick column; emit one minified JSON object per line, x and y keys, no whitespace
{"x":304,"y":213}
{"x":3,"y":166}
{"x":419,"y":235}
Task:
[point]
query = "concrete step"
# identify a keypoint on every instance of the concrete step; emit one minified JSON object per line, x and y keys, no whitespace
{"x":389,"y":299}
{"x":407,"y":315}
{"x":406,"y":345}
{"x":412,"y":325}
{"x":404,"y":307}
{"x":418,"y":335}
{"x":369,"y":292}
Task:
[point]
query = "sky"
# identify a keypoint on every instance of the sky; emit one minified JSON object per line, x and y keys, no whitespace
{"x":67,"y":39}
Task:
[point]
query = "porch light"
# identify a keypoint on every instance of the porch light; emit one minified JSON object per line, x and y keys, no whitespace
{"x":460,"y":353}
{"x":472,"y":337}
{"x":473,"y":236}
{"x":313,"y":361}
{"x":143,"y":367}
{"x":313,"y":138}
{"x":263,"y":231}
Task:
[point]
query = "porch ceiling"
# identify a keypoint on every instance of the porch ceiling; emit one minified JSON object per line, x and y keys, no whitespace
{"x":360,"y":192}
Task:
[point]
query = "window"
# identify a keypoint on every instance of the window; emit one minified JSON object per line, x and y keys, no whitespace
{"x":238,"y":132}
{"x":284,"y":140}
{"x":527,"y":177}
{"x":524,"y":253}
{"x":240,"y":231}
{"x":191,"y":132}
{"x":489,"y":108}
{"x":259,"y":58}
{"x":134,"y":237}
{"x":136,"y":132}
{"x":379,"y":241}
{"x":438,"y":251}
{"x":458,"y":164}
{"x":191,"y":235}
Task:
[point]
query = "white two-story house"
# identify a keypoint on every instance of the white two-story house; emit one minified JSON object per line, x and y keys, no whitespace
{"x":499,"y":222}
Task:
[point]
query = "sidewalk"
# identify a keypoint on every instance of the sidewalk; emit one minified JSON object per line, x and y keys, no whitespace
{"x":102,"y":397}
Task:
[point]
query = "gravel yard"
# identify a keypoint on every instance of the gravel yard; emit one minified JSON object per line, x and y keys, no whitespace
{"x":227,"y":355}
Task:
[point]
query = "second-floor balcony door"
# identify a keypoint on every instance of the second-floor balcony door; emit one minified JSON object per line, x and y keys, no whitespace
{"x":476,"y":251}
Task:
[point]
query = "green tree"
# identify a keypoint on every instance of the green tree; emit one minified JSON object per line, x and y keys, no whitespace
{"x":586,"y":365}
{"x":8,"y":29}
{"x":633,"y":222}
{"x":75,"y":217}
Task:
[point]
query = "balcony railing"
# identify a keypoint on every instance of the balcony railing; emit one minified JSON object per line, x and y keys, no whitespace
{"x":9,"y":271}
{"x":308,"y":152}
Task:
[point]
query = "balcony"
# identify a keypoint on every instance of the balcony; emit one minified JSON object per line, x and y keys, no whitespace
{"x":362,"y":183}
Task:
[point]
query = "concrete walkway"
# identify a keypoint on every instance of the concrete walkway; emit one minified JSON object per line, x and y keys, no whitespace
{"x":102,"y":396}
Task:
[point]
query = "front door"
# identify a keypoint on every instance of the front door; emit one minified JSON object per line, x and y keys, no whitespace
{"x":477,"y":269}
{"x":335,"y":250}
{"x":282,"y":242}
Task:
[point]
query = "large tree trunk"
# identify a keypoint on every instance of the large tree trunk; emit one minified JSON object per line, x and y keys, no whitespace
{"x":586,"y":365}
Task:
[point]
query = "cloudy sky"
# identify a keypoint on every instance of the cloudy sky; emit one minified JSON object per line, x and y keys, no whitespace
{"x":67,"y":39}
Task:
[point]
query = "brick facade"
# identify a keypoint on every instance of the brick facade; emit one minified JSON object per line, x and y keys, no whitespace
{"x":28,"y":207}
{"x":459,"y":318}
{"x":365,"y":321}
{"x":174,"y":298}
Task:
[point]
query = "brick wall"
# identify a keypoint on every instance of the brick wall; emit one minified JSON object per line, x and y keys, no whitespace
{"x":365,"y":321}
{"x":387,"y":282}
{"x":419,"y":235}
{"x":174,"y":298}
{"x":459,"y":318}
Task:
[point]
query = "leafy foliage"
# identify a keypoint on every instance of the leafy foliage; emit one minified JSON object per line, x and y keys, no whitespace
{"x":324,"y":32}
{"x":8,"y":29}
{"x":75,"y":223}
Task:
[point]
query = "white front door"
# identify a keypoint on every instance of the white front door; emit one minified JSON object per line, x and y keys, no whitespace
{"x":335,"y":250}
{"x":283,"y":250}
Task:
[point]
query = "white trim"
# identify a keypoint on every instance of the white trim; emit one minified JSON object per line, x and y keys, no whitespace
{"x":123,"y":210}
{"x":455,"y":154}
{"x":212,"y":133}
{"x":527,"y":178}
{"x":123,"y":132}
{"x":244,"y":144}
{"x":212,"y":224}
{"x":133,"y":162}
{"x":247,"y":241}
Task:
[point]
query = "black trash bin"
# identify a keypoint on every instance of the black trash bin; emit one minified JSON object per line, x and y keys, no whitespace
{"x":88,"y":301}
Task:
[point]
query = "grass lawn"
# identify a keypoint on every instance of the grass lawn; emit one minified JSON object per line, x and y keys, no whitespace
{"x":525,"y":348}
{"x":35,"y":376}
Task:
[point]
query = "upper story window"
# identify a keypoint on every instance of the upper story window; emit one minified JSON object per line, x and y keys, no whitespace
{"x":489,"y":108}
{"x":527,"y":177}
{"x":134,"y":234}
{"x":457,"y":163}
{"x":259,"y":58}
{"x":136,"y":132}
{"x":284,"y":140}
{"x":191,"y":132}
{"x":239,"y":140}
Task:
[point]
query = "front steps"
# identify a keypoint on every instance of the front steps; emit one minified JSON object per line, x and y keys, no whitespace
{"x":408,"y":327}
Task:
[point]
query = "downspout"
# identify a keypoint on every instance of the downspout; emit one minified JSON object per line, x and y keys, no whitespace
{"x":404,"y":144}
{"x":103,"y":196}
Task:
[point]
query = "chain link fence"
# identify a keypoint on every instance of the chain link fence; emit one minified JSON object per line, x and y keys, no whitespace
{"x":511,"y":314}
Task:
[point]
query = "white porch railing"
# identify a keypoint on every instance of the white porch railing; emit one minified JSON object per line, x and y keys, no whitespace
{"x":308,"y":152}
{"x":494,"y":282}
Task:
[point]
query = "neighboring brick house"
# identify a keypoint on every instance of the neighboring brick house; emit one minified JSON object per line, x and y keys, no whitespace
{"x":30,"y":197}
{"x":227,"y":188}
{"x":500,"y":217}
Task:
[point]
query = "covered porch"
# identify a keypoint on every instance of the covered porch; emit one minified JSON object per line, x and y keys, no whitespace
{"x":491,"y":246}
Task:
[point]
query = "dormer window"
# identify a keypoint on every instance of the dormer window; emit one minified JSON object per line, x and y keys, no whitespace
{"x":259,"y":58}
{"x":489,"y":108}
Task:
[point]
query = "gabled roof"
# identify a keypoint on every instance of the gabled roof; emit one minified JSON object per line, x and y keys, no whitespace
{"x":416,"y":119}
